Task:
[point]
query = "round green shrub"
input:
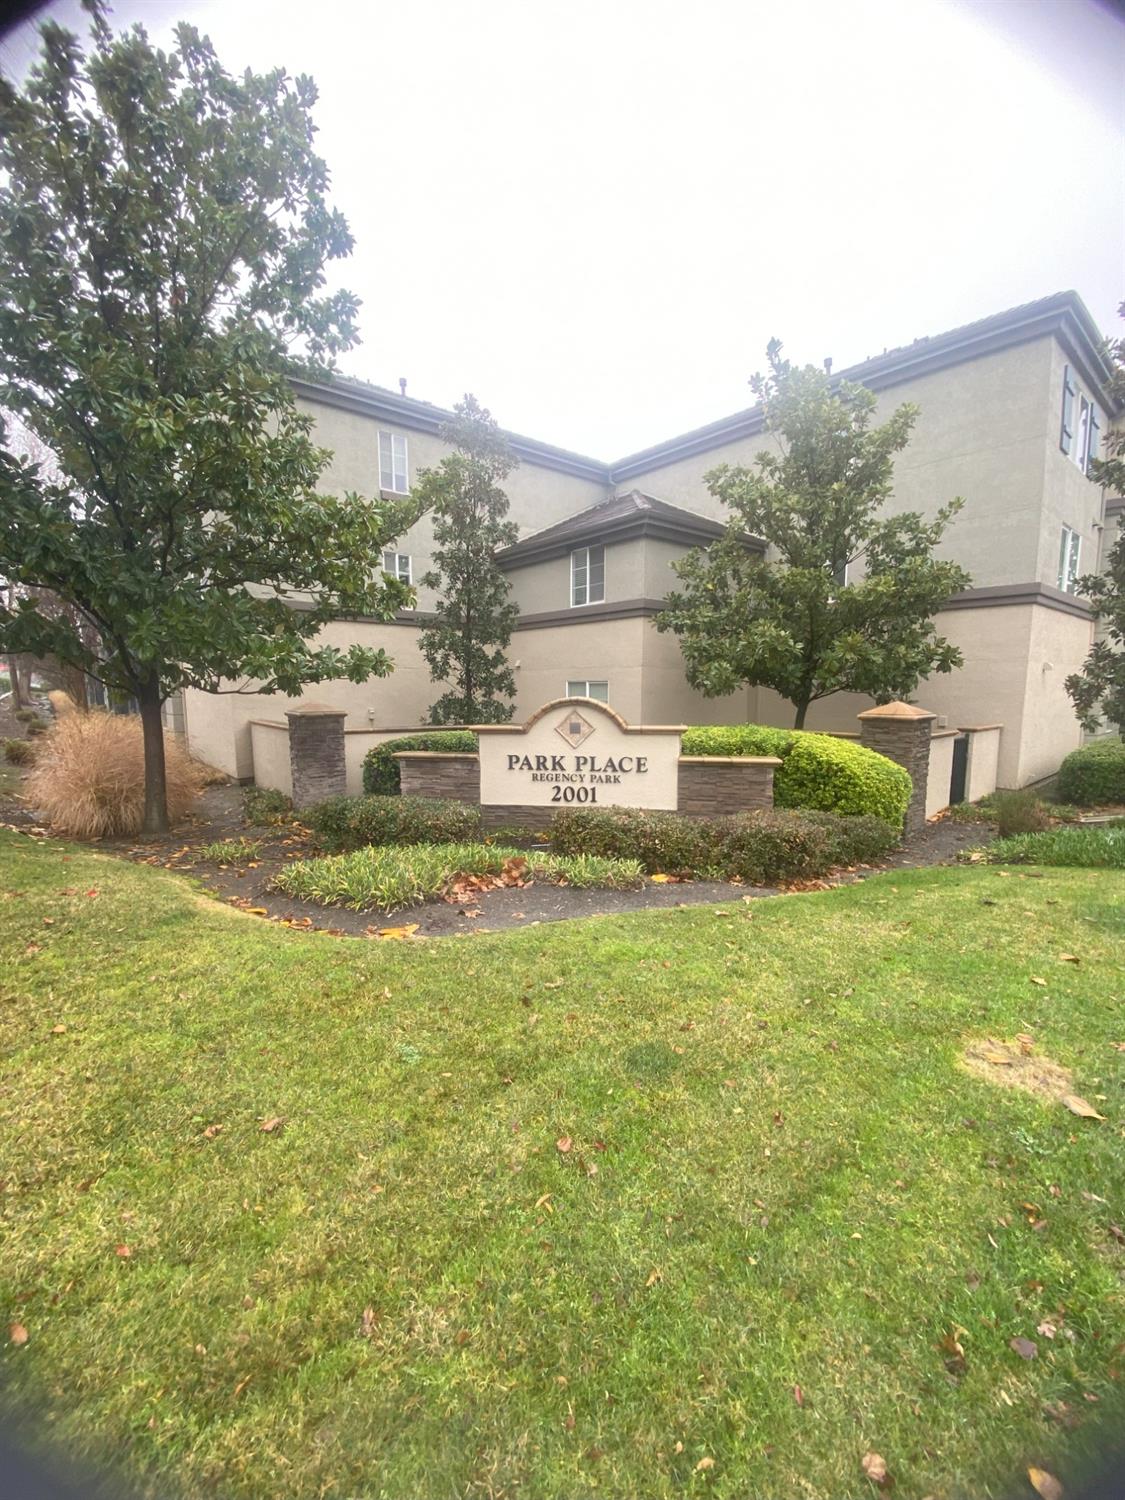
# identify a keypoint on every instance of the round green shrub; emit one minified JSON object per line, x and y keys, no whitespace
{"x":663,"y":842}
{"x":768,"y":847}
{"x":817,"y":771}
{"x":381,"y":770}
{"x":1094,"y":774}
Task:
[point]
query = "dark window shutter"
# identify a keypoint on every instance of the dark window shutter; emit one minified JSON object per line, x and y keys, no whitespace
{"x":1066,"y":432}
{"x":1092,"y":444}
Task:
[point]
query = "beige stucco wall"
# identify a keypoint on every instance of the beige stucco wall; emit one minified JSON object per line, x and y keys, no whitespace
{"x":545,"y":585}
{"x":982,"y":763}
{"x":269,"y":754}
{"x":609,"y":650}
{"x":667,"y":697}
{"x":538,"y":496}
{"x":940,"y":771}
{"x":1057,"y":646}
{"x":1069,"y":497}
{"x":984,"y":432}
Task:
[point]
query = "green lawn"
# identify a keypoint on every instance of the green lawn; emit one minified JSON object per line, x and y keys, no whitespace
{"x":781,"y":1192}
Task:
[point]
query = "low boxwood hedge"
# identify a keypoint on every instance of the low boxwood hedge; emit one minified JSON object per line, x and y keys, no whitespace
{"x":381,"y":770}
{"x":354,"y":822}
{"x":817,"y":771}
{"x":1094,"y":774}
{"x":765,"y":847}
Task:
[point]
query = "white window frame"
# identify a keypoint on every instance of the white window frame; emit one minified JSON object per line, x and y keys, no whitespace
{"x":587,"y":683}
{"x":1070,"y":560}
{"x":1093,"y":438}
{"x":393,"y":462}
{"x":395,"y":568}
{"x":582,"y":568}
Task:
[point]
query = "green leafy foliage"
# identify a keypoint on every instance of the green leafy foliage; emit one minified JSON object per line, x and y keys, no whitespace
{"x":266,"y":807}
{"x":843,"y":598}
{"x":407,"y":874}
{"x":1094,"y":774}
{"x":767,"y":847}
{"x":817,"y":771}
{"x":1019,"y":812}
{"x":19,"y":752}
{"x":1095,"y":848}
{"x":1098,"y":690}
{"x":466,"y":643}
{"x":354,"y":822}
{"x":166,"y":230}
{"x":227,"y":851}
{"x":381,"y":770}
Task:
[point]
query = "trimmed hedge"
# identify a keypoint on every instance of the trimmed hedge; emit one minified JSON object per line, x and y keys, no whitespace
{"x":763,"y":848}
{"x":817,"y":771}
{"x":1094,"y":774}
{"x":355,"y":822}
{"x":381,"y":770}
{"x":18,"y":752}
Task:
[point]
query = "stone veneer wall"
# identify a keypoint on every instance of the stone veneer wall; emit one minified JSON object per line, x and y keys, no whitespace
{"x":316,"y":754}
{"x":709,"y":786}
{"x":713,"y":785}
{"x":902,"y":733}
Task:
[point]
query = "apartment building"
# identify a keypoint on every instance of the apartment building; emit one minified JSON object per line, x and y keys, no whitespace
{"x":1012,"y":409}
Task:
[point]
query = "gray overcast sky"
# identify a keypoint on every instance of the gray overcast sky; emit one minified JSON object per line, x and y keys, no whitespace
{"x":595,"y":215}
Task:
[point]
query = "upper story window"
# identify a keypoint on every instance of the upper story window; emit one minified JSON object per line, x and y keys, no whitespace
{"x":398,"y":565}
{"x":587,"y":575}
{"x":392,"y":462}
{"x":1070,"y":551}
{"x":587,"y":687}
{"x":1079,"y":440}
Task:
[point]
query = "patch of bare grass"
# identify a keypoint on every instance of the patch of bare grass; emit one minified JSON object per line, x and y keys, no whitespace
{"x":1016,"y":1065}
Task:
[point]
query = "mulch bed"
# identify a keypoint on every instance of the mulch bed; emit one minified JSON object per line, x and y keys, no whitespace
{"x":219,"y":816}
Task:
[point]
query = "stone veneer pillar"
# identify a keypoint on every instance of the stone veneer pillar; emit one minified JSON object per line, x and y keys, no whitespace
{"x":901,"y":732}
{"x":316,"y":753}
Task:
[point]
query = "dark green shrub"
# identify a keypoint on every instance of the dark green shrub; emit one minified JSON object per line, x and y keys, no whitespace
{"x":266,"y":806}
{"x":1094,"y":774}
{"x":664,"y":842}
{"x":381,"y":770}
{"x":1018,"y":812}
{"x":19,"y":752}
{"x":764,"y":847}
{"x":25,"y":715}
{"x":354,"y":822}
{"x":861,"y":840}
{"x":772,"y":846}
{"x":817,"y":771}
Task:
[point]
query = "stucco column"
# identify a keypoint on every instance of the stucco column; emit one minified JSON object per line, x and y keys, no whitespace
{"x":316,"y":753}
{"x":901,"y":732}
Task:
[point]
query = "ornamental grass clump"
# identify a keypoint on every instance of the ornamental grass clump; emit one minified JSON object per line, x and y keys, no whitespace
{"x":19,"y":752}
{"x":89,"y":776}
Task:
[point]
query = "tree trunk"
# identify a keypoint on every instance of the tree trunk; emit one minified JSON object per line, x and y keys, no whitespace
{"x":802,"y":710}
{"x":156,"y":788}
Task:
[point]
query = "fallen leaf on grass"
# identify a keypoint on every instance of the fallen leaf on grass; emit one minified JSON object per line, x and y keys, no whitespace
{"x":654,"y":1276}
{"x":256,"y":911}
{"x":1045,"y":1484}
{"x":406,"y":931}
{"x":58,"y":1030}
{"x":1079,"y":1106}
{"x":798,"y":1395}
{"x":124,"y":1252}
{"x":563,"y":1144}
{"x":1069,"y":958}
{"x":17,"y":1333}
{"x":662,"y":879}
{"x":1025,"y":1348}
{"x":1036,"y":980}
{"x":954,"y":1352}
{"x":704,"y":1463}
{"x":875,"y":1467}
{"x":272,"y":1125}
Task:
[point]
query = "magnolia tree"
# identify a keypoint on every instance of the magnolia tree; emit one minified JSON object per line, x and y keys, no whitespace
{"x":165,"y":234}
{"x":1098,"y":691}
{"x":843,"y":597}
{"x":466,"y":643}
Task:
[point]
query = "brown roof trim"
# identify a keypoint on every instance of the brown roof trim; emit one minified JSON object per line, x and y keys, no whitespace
{"x":625,"y":529}
{"x":1005,"y":594}
{"x":421,"y":416}
{"x":1065,"y":315}
{"x":589,"y":614}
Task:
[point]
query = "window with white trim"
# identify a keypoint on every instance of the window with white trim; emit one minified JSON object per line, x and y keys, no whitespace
{"x":1093,"y":434}
{"x":587,"y":687}
{"x":1070,"y":551}
{"x":1082,"y":444}
{"x":1066,"y":429}
{"x":398,"y":565}
{"x":587,"y":576}
{"x":392,"y":462}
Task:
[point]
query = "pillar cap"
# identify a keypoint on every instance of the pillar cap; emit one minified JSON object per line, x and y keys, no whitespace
{"x":897,"y":710}
{"x":316,"y":708}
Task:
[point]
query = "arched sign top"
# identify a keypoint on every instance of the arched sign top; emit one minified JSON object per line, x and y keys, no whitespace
{"x":579,"y":751}
{"x":585,"y":704}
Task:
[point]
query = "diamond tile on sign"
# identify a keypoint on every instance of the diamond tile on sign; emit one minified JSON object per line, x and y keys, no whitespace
{"x":575,"y":729}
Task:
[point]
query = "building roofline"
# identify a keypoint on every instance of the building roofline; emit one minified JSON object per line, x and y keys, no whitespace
{"x":1063,"y":314}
